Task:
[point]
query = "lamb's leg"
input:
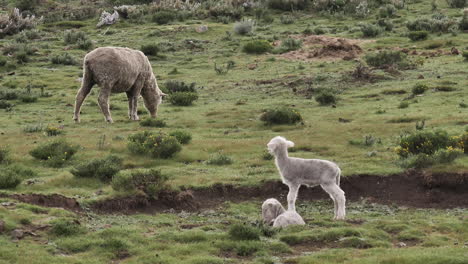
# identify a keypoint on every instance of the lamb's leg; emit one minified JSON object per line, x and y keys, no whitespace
{"x":86,"y":86}
{"x":103,"y":101}
{"x":338,"y":199}
{"x":292,"y":196}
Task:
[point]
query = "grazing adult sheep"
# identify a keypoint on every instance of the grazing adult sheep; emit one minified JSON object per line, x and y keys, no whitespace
{"x":310,"y":172}
{"x":118,"y":70}
{"x":273,"y":213}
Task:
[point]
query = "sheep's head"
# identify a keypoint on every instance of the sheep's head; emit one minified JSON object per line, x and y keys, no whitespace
{"x":278,"y":143}
{"x":152,"y":96}
{"x":271,"y":209}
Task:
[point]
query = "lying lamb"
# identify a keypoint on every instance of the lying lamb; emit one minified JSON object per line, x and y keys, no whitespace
{"x":274,"y":213}
{"x":310,"y":172}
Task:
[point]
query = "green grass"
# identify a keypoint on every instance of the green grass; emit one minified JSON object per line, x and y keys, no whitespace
{"x":226,"y":119}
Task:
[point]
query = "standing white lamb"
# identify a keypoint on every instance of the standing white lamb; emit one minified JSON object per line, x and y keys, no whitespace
{"x":273,"y":213}
{"x":310,"y":172}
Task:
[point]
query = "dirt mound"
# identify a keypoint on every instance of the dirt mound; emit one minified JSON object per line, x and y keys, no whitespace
{"x":323,"y":47}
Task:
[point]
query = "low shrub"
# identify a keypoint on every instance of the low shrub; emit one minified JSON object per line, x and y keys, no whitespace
{"x":73,"y":36}
{"x":151,"y":182}
{"x":28,"y":98}
{"x":244,"y":232}
{"x":84,"y":44}
{"x":438,"y":23}
{"x":155,"y":144}
{"x":164,"y":17}
{"x":283,"y":115}
{"x":403,"y":105}
{"x":4,"y":155}
{"x":463,"y":25}
{"x":64,"y":58}
{"x":9,"y":179}
{"x":52,"y":131}
{"x":182,"y":98}
{"x":151,"y":122}
{"x":288,"y":5}
{"x":173,"y":86}
{"x":100,"y":168}
{"x":385,"y":24}
{"x":370,"y":30}
{"x":257,"y":47}
{"x":465,"y":55}
{"x":5,"y":104}
{"x":287,"y":19}
{"x":55,"y":153}
{"x":419,"y":88}
{"x":3,"y":61}
{"x":182,"y":136}
{"x":245,"y":27}
{"x":425,"y":142}
{"x":387,"y":11}
{"x":289,"y":44}
{"x":66,"y":227}
{"x":387,"y":58}
{"x":457,"y":3}
{"x":150,"y":49}
{"x":326,"y":97}
{"x":219,"y":159}
{"x":418,"y":35}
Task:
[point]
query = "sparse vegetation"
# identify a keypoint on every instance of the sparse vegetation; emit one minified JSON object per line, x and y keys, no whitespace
{"x":54,"y":153}
{"x":155,"y":144}
{"x":151,"y":182}
{"x":257,"y":47}
{"x":418,"y":35}
{"x":101,"y":168}
{"x":282,"y":115}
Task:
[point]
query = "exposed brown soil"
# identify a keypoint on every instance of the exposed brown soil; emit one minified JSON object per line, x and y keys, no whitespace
{"x":324,"y":47}
{"x":412,"y":188}
{"x":52,"y":200}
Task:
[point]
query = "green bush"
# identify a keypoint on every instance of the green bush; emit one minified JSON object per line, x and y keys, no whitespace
{"x":289,"y":44}
{"x":287,"y":19}
{"x":438,"y":23}
{"x":66,"y":227}
{"x":288,"y":5}
{"x":9,"y":179}
{"x":156,"y":144}
{"x":22,"y":171}
{"x":386,"y":58}
{"x":3,"y":61}
{"x":52,"y":131}
{"x":387,"y":11}
{"x":257,"y":47}
{"x":385,"y":24}
{"x":424,"y":142}
{"x":164,"y":17}
{"x":8,"y":95}
{"x":54,"y":153}
{"x":418,"y":35}
{"x":244,"y":232}
{"x":465,"y":55}
{"x":419,"y":88}
{"x":457,"y":3}
{"x":151,"y":182}
{"x":182,"y":136}
{"x":100,"y":168}
{"x":173,"y":86}
{"x":219,"y":159}
{"x":463,"y":25}
{"x":28,"y":98}
{"x":244,"y":27}
{"x":4,"y":155}
{"x":84,"y":44}
{"x":370,"y":30}
{"x":182,"y":98}
{"x":151,"y":122}
{"x":281,"y":115}
{"x":326,"y":97}
{"x":64,"y":58}
{"x":150,"y":49}
{"x":5,"y":104}
{"x":73,"y":36}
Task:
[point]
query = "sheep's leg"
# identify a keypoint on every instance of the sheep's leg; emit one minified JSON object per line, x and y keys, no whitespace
{"x":130,"y":104}
{"x":292,"y":196}
{"x":86,"y":86}
{"x":103,"y":101}
{"x":338,"y":198}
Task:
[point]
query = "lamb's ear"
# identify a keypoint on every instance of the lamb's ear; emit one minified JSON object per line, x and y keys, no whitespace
{"x":290,"y":144}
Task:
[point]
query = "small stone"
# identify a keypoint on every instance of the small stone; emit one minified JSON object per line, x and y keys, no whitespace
{"x":17,"y":234}
{"x":202,"y":29}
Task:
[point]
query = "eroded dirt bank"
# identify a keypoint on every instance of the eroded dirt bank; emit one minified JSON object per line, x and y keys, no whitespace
{"x":412,"y":188}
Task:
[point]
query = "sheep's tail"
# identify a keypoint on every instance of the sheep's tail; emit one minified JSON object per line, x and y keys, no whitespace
{"x":338,"y":177}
